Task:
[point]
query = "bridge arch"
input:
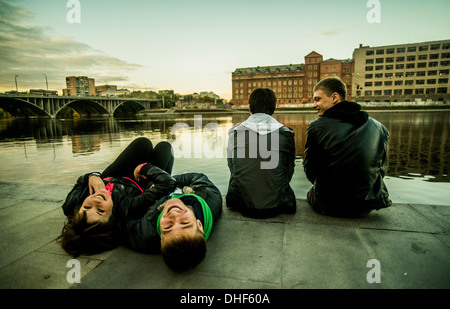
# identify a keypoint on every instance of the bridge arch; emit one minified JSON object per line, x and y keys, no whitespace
{"x":86,"y":107}
{"x":128,"y":107}
{"x":18,"y":107}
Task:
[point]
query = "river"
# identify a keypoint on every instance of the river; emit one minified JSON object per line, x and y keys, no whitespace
{"x":60,"y":150}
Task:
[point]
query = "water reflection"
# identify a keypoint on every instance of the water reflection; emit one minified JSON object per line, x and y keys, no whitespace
{"x":419,"y":144}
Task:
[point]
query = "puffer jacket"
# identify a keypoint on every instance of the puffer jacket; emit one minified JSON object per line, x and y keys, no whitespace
{"x":255,"y":189}
{"x":346,"y":157}
{"x":129,"y":199}
{"x":142,"y":233}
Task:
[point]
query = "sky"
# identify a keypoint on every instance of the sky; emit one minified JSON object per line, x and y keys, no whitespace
{"x":194,"y":45}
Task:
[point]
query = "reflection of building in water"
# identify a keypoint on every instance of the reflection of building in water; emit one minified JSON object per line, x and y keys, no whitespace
{"x":419,"y":143}
{"x":82,"y":144}
{"x":299,"y":127}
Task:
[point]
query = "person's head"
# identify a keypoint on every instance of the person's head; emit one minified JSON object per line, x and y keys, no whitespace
{"x":327,"y":93}
{"x":183,"y":244}
{"x":262,"y":100}
{"x":79,"y":237}
{"x":97,"y":207}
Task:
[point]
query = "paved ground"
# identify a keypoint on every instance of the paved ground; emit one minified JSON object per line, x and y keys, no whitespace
{"x":301,"y":251}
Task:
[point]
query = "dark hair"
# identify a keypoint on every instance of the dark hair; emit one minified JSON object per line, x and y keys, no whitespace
{"x":331,"y":85}
{"x":184,"y":252}
{"x":263,"y":100}
{"x":81,"y":238}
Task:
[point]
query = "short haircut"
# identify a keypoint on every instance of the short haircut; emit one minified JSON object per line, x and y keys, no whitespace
{"x":184,"y":252}
{"x":263,"y":100}
{"x":331,"y":85}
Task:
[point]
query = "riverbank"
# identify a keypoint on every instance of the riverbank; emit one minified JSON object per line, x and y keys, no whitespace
{"x":401,"y":247}
{"x":283,"y":110}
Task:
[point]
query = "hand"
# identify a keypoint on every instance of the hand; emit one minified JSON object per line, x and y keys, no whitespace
{"x":137,"y":174}
{"x":95,"y":184}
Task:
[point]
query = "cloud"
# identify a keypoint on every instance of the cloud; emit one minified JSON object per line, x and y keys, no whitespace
{"x":330,"y":32}
{"x":30,"y":51}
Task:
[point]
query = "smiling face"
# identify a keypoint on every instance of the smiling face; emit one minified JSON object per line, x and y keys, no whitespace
{"x":98,"y":207}
{"x":323,"y":102}
{"x":178,"y":219}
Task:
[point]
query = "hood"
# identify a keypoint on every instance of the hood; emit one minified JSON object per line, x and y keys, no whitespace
{"x":262,"y":123}
{"x":348,"y":112}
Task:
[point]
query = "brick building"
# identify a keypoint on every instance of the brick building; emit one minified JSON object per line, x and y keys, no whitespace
{"x":79,"y":86}
{"x":292,"y":83}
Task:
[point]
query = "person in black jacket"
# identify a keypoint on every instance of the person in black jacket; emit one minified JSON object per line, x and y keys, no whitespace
{"x":100,"y":204}
{"x":346,"y":155}
{"x":261,"y":160}
{"x":179,"y":225}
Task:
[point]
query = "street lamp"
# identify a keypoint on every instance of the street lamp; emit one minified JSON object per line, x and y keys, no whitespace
{"x":46,"y":82}
{"x":15,"y":78}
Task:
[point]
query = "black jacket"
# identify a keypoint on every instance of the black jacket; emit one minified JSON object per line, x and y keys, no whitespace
{"x":129,"y":200}
{"x":257,"y":191}
{"x":142,"y":234}
{"x":346,"y":157}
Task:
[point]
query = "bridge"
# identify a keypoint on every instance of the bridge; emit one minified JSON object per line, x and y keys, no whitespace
{"x":29,"y":105}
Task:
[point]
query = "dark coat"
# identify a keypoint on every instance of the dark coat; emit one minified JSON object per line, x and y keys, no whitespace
{"x":129,"y":200}
{"x":257,"y":191}
{"x":346,"y":157}
{"x":142,"y":234}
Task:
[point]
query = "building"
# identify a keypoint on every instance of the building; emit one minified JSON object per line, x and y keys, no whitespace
{"x":402,"y":73}
{"x":99,"y":90}
{"x":292,"y":83}
{"x":43,"y":92}
{"x":79,"y":86}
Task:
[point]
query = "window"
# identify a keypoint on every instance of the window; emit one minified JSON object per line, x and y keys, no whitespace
{"x":412,"y":49}
{"x":431,"y":82}
{"x":377,"y":92}
{"x":369,"y":52}
{"x":443,"y":81}
{"x":398,"y":92}
{"x":389,"y":67}
{"x":411,"y":58}
{"x":398,"y":83}
{"x":420,"y":73}
{"x":443,"y":72}
{"x":433,"y":64}
{"x":390,"y":60}
{"x":378,"y":84}
{"x":409,"y":82}
{"x":422,"y":65}
{"x":410,"y":66}
{"x":368,"y":84}
{"x":388,"y":83}
{"x":434,"y":56}
{"x":432,"y":73}
{"x":409,"y":74}
{"x":379,"y":68}
{"x":400,"y":50}
{"x":379,"y":60}
{"x":419,"y":91}
{"x":399,"y":66}
{"x":442,"y":90}
{"x":380,"y":51}
{"x":445,"y":55}
{"x":423,"y":48}
{"x":435,"y":46}
{"x":369,"y":68}
{"x":379,"y":75}
{"x":408,"y":91}
{"x":369,"y":76}
{"x":399,"y":74}
{"x":422,"y":57}
{"x":444,"y":63}
{"x":400,"y":59}
{"x":420,"y":82}
{"x":388,"y":92}
{"x":390,"y":50}
{"x":431,"y":91}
